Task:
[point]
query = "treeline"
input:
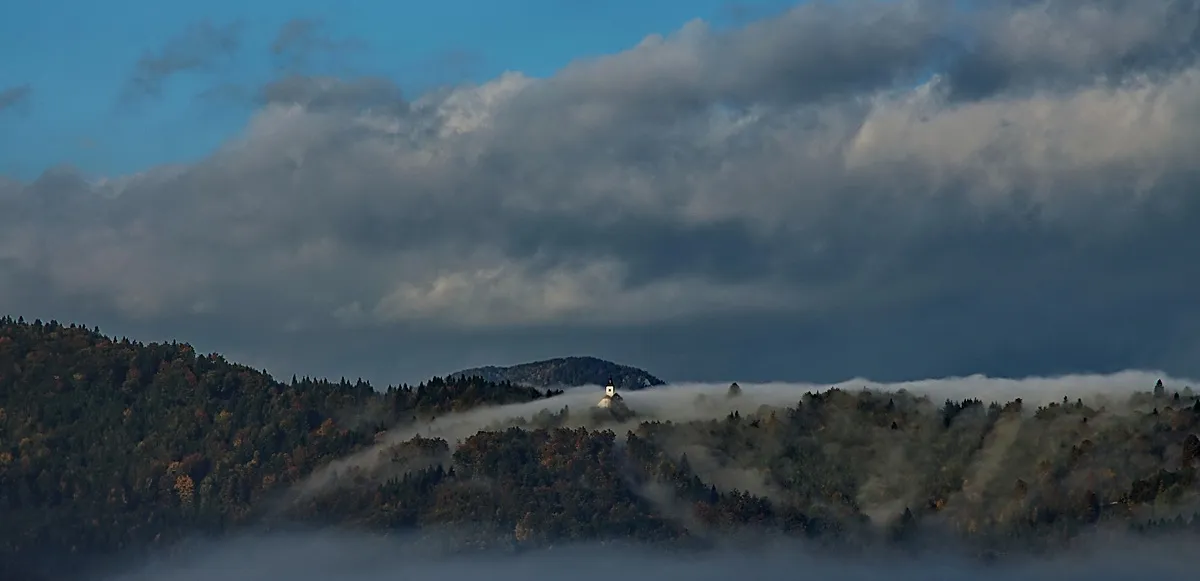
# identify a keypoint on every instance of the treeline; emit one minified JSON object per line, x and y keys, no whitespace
{"x":568,"y":371}
{"x":110,"y":445}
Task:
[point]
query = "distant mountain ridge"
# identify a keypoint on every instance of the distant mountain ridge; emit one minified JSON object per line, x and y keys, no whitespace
{"x":566,"y":371}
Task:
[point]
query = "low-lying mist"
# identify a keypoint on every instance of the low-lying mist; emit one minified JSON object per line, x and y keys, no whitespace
{"x":328,"y":555}
{"x":891,"y":467}
{"x":683,"y":402}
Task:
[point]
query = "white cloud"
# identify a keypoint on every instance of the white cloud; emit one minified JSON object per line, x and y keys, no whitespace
{"x":595,"y":293}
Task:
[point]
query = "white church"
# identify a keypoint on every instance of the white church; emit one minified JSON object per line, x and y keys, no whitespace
{"x":611,"y":396}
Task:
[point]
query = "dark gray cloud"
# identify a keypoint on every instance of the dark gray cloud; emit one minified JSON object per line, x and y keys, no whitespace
{"x":813,"y":196}
{"x":198,"y":49}
{"x":1061,"y":44}
{"x":12,"y":97}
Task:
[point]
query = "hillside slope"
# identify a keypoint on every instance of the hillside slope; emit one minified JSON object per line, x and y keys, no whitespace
{"x":109,"y":443}
{"x":568,"y":372}
{"x":114,"y":446}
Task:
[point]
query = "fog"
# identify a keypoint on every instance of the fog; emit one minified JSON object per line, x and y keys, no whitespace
{"x":683,"y":402}
{"x":339,"y":554}
{"x":327,"y":555}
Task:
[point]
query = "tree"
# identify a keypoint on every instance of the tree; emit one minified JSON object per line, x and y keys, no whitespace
{"x":152,"y":442}
{"x":1191,"y":449}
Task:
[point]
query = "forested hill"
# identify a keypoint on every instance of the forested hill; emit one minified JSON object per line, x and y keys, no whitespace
{"x":568,"y":372}
{"x":116,"y":446}
{"x":108,"y":443}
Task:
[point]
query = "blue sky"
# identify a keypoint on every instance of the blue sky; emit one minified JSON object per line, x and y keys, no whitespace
{"x":77,"y":55}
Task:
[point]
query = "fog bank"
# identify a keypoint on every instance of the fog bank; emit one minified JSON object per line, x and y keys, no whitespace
{"x":323,"y":556}
{"x":682,"y":402}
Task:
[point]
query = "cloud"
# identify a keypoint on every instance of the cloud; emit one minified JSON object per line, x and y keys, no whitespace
{"x":1065,"y":43}
{"x":686,"y":402}
{"x":356,"y":557}
{"x":12,"y":97}
{"x":892,"y":189}
{"x":198,"y":49}
{"x":315,"y":93}
{"x":300,"y":40}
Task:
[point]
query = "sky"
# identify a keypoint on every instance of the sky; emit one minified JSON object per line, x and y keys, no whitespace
{"x":83,"y":64}
{"x":892,"y":189}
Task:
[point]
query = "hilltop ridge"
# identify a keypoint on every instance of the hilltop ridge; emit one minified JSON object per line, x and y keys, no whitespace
{"x":566,"y":371}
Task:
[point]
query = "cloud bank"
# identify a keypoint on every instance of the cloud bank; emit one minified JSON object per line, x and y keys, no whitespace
{"x":895,"y":189}
{"x":686,"y":402}
{"x":314,"y":556}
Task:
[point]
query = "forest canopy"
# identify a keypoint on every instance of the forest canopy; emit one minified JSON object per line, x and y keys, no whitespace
{"x":110,"y":446}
